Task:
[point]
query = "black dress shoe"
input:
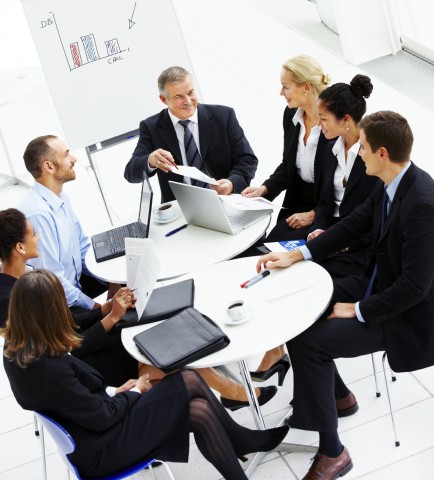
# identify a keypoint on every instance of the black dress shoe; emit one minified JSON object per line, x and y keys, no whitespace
{"x":281,"y":368}
{"x":267,"y":393}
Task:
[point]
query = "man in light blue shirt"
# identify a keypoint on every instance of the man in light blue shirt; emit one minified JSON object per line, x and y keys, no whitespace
{"x":62,"y":242}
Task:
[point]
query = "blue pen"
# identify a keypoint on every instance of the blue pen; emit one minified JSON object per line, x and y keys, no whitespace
{"x":256,"y":279}
{"x":176,"y":230}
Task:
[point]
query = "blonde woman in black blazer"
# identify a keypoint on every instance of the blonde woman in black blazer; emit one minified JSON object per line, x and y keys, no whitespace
{"x":299,"y":174}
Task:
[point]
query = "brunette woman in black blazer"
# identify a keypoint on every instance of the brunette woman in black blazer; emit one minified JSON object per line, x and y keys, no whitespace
{"x":138,"y":421}
{"x":345,"y":183}
{"x":102,"y":346}
{"x":300,"y":171}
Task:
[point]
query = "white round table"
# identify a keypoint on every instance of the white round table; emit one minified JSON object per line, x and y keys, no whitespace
{"x":185,"y":251}
{"x":273,"y":322}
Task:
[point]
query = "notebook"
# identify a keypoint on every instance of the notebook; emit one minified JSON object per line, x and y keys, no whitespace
{"x":111,"y":243}
{"x":163,"y":303}
{"x":204,"y":208}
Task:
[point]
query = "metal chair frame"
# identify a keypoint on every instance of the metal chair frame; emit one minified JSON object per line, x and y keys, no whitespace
{"x":378,"y":393}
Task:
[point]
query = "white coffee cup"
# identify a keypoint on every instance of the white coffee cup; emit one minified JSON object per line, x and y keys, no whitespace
{"x":165,"y":211}
{"x":236,"y":311}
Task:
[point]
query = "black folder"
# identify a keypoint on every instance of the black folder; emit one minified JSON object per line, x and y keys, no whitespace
{"x":181,"y":340}
{"x":163,"y":303}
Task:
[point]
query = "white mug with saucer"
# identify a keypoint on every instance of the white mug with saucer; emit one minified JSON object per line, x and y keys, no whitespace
{"x":237,"y":313}
{"x":166,"y":212}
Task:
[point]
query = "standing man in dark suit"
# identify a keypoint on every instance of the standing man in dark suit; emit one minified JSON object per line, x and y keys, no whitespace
{"x":223,"y":151}
{"x":391,"y":308}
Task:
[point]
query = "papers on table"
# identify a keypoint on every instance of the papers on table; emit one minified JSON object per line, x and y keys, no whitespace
{"x":286,"y":246}
{"x":242,"y":203}
{"x":286,"y":283}
{"x":193,"y":172}
{"x":143,"y":268}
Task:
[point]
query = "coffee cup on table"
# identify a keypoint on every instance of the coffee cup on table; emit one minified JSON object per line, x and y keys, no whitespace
{"x":165,"y":211}
{"x":236,"y":311}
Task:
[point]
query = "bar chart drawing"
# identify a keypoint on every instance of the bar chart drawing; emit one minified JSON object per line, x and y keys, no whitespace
{"x":85,"y":51}
{"x":112,"y":46}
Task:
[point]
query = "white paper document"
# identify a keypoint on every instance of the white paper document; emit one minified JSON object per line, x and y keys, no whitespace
{"x":143,"y":267}
{"x":236,"y":200}
{"x":193,"y":172}
{"x":286,"y":283}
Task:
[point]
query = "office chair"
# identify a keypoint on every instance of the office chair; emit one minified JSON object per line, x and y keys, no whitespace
{"x":378,"y":393}
{"x":66,"y":445}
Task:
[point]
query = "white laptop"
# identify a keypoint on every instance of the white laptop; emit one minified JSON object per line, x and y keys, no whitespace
{"x":204,"y":208}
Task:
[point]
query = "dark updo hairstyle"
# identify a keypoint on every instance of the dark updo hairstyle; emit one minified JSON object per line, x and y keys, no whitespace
{"x":12,"y":231}
{"x":342,"y":99}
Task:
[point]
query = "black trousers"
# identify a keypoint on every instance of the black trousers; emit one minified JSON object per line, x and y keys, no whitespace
{"x":344,"y":264}
{"x":313,"y":353}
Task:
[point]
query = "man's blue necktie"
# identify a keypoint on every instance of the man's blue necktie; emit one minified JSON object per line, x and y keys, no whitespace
{"x":384,"y":212}
{"x":192,"y":152}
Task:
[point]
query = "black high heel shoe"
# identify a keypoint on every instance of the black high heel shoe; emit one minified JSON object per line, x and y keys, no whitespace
{"x":267,"y":393}
{"x":281,"y":368}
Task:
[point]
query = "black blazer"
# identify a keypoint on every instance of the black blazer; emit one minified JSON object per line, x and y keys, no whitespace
{"x":73,"y":394}
{"x":404,"y":303}
{"x":225,"y":151}
{"x":285,"y":175}
{"x":358,"y":189}
{"x":110,"y":433}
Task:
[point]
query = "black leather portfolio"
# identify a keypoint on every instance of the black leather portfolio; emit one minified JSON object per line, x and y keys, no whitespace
{"x":163,"y":303}
{"x":180,"y":340}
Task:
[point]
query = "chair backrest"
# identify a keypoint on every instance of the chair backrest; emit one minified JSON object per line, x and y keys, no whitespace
{"x":65,"y":443}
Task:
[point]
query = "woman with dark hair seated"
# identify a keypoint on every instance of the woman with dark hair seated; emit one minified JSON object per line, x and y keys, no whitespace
{"x":139,"y":421}
{"x":102,"y":346}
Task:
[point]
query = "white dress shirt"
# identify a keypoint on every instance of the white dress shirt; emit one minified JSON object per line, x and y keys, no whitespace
{"x":343,"y":169}
{"x":305,"y":159}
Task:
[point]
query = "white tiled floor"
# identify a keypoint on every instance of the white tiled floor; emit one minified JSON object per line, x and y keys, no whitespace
{"x":237,"y":48}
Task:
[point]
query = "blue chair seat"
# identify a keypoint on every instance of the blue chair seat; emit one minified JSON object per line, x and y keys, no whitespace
{"x":66,"y":445}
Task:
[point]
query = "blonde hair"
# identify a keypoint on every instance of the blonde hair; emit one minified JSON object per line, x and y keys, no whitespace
{"x":305,"y":69}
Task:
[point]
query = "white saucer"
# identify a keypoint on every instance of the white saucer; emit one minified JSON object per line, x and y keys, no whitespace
{"x":231,"y":323}
{"x":167,"y":220}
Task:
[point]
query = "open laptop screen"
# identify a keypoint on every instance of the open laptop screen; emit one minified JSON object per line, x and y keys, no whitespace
{"x":145,"y":206}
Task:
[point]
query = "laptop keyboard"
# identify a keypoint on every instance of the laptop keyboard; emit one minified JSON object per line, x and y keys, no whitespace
{"x":240,"y":219}
{"x":117,"y":236}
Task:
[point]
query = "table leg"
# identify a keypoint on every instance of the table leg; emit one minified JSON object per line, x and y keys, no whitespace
{"x":284,"y":447}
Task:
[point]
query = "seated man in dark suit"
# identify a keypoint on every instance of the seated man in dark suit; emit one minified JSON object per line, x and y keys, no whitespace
{"x":389,"y":308}
{"x":214,"y":139}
